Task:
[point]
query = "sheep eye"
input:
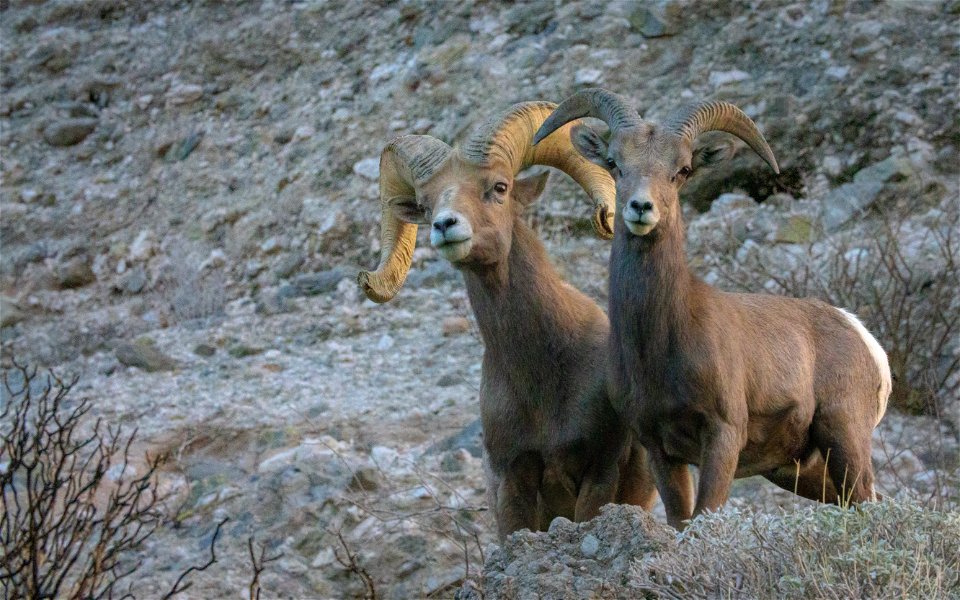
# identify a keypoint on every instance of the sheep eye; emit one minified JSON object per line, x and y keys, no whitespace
{"x":683,"y":173}
{"x":611,"y":163}
{"x":500,"y":187}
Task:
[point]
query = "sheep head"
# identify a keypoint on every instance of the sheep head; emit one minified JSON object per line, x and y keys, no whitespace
{"x":649,"y":161}
{"x":470,"y":196}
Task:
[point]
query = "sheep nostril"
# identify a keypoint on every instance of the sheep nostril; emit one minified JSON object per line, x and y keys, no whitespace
{"x":646,"y":206}
{"x":442,"y":225}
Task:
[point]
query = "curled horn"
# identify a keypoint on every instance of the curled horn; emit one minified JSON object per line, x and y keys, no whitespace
{"x":405,"y":164}
{"x":598,"y":103}
{"x":717,"y":115}
{"x":508,"y":138}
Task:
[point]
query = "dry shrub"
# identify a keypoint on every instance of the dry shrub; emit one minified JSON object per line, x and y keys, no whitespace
{"x":74,"y":512}
{"x":882,"y":549}
{"x":906,"y":297}
{"x":192,"y":293}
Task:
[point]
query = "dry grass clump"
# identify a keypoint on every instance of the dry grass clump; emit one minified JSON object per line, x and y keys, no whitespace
{"x":885,"y":549}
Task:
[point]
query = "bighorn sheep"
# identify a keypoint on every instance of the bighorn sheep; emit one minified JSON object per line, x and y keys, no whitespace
{"x":738,"y":384}
{"x":554,"y":443}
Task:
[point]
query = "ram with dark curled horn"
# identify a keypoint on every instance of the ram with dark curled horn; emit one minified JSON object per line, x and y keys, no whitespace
{"x":738,"y":384}
{"x":554,"y":445}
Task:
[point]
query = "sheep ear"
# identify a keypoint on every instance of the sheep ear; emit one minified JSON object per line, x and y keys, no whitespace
{"x":589,"y":143}
{"x":709,"y":155}
{"x":408,"y":210}
{"x":528,"y":189}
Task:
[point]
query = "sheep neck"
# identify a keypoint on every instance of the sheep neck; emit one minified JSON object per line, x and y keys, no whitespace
{"x":523,"y":307}
{"x":652,"y":299}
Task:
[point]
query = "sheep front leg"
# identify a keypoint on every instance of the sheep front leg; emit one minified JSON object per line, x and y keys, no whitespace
{"x":718,"y":464}
{"x":517,"y":495}
{"x":675,"y":485}
{"x":598,"y":488}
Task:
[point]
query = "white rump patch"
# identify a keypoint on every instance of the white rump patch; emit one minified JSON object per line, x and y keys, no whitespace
{"x":879,"y":356}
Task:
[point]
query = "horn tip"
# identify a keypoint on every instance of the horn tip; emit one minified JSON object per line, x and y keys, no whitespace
{"x":539,"y":136}
{"x":363,"y":280}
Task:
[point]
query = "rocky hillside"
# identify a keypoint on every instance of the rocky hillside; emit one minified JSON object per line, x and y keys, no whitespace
{"x":188,"y":188}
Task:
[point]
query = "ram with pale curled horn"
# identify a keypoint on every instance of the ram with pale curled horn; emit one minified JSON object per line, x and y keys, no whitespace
{"x":736,"y":384}
{"x":553,"y":444}
{"x":421,"y":178}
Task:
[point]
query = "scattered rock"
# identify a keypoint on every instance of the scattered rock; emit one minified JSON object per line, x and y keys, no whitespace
{"x":385,"y":342}
{"x":69,"y":132}
{"x":271,"y":245}
{"x":432,"y":274}
{"x":650,"y":22}
{"x":217,"y":259}
{"x":54,"y":57}
{"x":455,"y":326}
{"x":184,"y":93}
{"x":588,"y":77}
{"x":449,"y":379}
{"x":470,"y":438}
{"x":727,"y":203}
{"x":180,"y":148}
{"x":722,"y":78}
{"x":796,"y":229}
{"x":528,"y":18}
{"x":205,"y":350}
{"x":323,"y":282}
{"x":850,"y":199}
{"x":368,"y":168}
{"x":277,"y":301}
{"x":34,"y":196}
{"x":590,"y":545}
{"x":243,"y":351}
{"x":144,"y":354}
{"x":585,"y":560}
{"x":75,"y":272}
{"x":365,"y":479}
{"x":10,"y":312}
{"x":134,"y":281}
{"x":143,"y":247}
{"x":304,"y":132}
{"x":288,"y":264}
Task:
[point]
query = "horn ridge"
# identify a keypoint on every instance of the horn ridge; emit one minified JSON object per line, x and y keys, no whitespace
{"x":614,"y":109}
{"x":508,"y":138}
{"x":718,"y":115}
{"x":487,"y":144}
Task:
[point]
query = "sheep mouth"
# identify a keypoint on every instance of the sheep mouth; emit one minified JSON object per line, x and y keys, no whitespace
{"x":641,"y":227}
{"x":455,"y":250}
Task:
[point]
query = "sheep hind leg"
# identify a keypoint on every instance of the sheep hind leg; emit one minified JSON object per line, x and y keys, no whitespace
{"x":809,"y":479}
{"x":847,"y":454}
